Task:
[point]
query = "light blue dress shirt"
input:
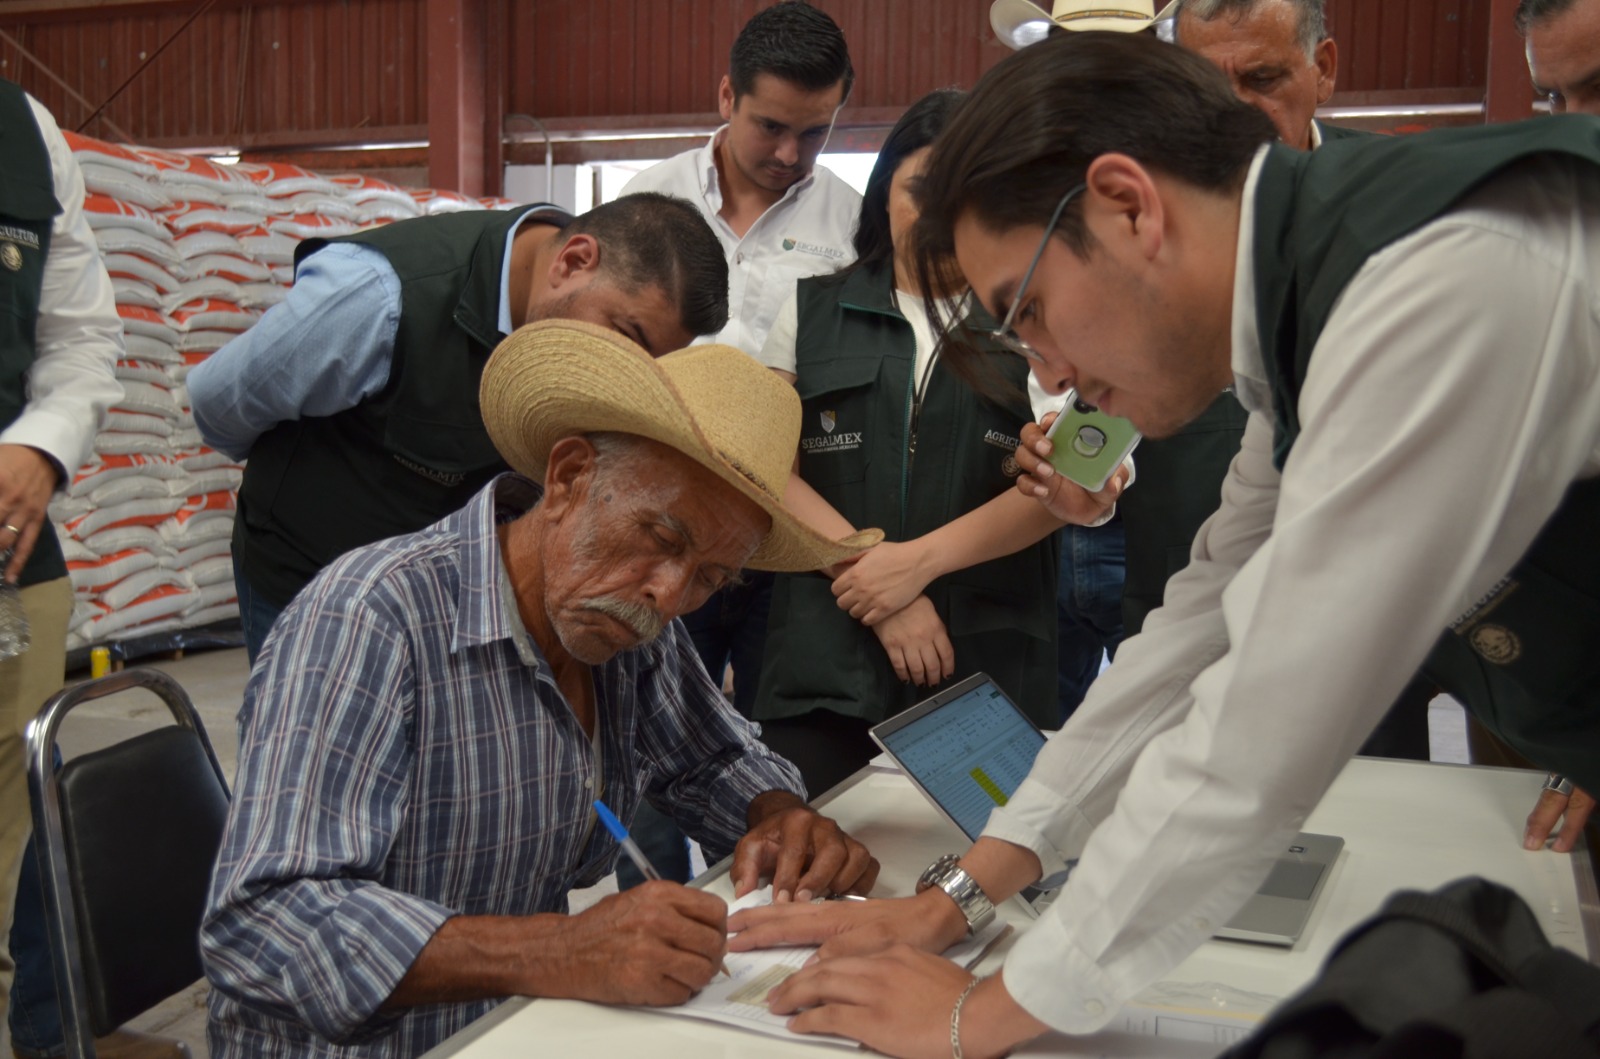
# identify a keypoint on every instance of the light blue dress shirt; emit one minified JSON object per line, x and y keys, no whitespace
{"x":325,"y":348}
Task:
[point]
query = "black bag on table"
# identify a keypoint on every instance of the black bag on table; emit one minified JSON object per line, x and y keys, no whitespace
{"x":1460,"y":973}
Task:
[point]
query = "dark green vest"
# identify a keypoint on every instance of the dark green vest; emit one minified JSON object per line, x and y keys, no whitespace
{"x":314,"y":488}
{"x":1178,"y":488}
{"x":854,"y":358}
{"x":28,"y":208}
{"x":1525,"y":660}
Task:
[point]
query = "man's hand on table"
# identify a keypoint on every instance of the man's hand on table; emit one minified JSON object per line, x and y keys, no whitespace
{"x":930,"y":921}
{"x":1571,"y":811}
{"x":804,"y":852}
{"x":900,"y":1002}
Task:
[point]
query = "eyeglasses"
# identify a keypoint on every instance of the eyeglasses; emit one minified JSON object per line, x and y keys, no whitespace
{"x":1004,"y":334}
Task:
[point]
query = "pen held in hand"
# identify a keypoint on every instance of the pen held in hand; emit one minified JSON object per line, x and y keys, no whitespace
{"x":635,"y":854}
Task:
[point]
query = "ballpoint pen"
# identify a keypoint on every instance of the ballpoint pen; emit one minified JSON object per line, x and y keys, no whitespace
{"x":635,"y":854}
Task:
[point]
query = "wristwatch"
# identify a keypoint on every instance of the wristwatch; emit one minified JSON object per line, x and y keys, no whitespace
{"x":946,"y":874}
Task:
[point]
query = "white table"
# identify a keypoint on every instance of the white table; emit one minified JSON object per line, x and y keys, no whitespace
{"x":1405,"y":825}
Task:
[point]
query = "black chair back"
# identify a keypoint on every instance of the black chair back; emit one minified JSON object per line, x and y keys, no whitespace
{"x":127,"y":839}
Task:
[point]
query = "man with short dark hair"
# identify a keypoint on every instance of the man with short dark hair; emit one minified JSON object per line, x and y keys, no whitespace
{"x":1563,"y":52}
{"x":1277,"y":55}
{"x":780,"y":217}
{"x":1374,"y":307}
{"x":424,"y":739}
{"x":356,"y":400}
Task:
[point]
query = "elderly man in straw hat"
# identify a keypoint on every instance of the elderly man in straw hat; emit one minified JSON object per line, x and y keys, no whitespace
{"x":423,"y":741}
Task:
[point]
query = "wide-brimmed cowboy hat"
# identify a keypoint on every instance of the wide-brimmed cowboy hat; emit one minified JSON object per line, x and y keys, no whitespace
{"x":715,"y":404}
{"x":1018,"y":23}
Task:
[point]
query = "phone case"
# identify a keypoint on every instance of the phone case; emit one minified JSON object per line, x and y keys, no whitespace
{"x":1090,"y":445}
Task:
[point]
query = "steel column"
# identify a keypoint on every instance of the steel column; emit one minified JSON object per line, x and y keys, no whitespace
{"x":457,"y":58}
{"x":1509,"y":96}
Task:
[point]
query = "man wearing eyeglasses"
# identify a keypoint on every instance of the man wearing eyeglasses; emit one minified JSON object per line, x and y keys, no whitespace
{"x":1563,"y":52}
{"x":1412,"y":323}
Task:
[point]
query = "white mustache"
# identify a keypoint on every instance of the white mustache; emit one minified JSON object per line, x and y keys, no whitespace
{"x":645,"y":622}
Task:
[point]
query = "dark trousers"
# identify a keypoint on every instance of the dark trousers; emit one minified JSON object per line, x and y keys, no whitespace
{"x":35,"y":1014}
{"x":826,"y":747}
{"x":256,"y":615}
{"x":1088,"y":607}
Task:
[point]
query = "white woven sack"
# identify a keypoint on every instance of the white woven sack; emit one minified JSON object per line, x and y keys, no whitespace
{"x":135,"y":292}
{"x":142,"y":269}
{"x":133,"y":487}
{"x":155,"y":350}
{"x":129,"y":241}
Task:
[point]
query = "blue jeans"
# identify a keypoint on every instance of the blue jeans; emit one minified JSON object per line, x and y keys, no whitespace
{"x":256,"y":615}
{"x":1088,"y":607}
{"x":730,"y":627}
{"x":35,"y":1016}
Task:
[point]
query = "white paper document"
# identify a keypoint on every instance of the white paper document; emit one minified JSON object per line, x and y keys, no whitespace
{"x":740,"y":999}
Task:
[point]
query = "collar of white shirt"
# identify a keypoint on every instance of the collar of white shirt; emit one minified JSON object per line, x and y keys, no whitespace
{"x":1249,"y":374}
{"x":711,"y":187}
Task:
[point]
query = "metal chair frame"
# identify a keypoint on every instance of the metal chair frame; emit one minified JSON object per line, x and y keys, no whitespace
{"x":45,"y":790}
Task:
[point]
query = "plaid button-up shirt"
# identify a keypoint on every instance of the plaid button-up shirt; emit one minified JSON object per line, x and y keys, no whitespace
{"x":405,"y":756}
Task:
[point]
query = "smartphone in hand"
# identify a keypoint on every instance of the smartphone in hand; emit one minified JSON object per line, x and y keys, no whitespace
{"x":1089,"y":445}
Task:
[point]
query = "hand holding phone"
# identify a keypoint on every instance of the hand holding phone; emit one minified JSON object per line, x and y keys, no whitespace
{"x":1089,"y":445}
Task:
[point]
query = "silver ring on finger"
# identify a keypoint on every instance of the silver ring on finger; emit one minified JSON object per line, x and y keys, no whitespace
{"x":1555,"y":781}
{"x":15,"y":532}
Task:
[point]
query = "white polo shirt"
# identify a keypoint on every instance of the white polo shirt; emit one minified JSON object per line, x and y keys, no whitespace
{"x":808,"y":232}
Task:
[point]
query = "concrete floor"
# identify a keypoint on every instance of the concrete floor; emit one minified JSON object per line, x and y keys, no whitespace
{"x":215,"y":681}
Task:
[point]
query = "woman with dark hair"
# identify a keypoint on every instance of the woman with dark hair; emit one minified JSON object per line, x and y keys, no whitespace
{"x":889,"y":438}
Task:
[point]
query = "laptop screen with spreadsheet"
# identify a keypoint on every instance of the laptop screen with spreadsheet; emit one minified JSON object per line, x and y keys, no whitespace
{"x":968,"y":748}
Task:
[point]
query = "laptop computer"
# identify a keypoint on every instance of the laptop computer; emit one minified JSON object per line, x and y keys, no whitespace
{"x":968,"y":748}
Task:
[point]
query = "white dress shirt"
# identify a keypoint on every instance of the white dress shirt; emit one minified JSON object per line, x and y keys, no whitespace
{"x":806,"y":233}
{"x":78,"y":336}
{"x":1449,"y":403}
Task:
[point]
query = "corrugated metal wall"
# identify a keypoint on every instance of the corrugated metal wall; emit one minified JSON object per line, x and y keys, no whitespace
{"x":324,"y":71}
{"x":1414,"y":44}
{"x":650,"y":57}
{"x":264,"y":68}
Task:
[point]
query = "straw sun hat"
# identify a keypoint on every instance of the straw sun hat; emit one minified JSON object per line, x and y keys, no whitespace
{"x":1018,"y":23}
{"x":715,"y":404}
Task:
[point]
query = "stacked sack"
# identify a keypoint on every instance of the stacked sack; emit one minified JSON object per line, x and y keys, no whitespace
{"x":196,"y":252}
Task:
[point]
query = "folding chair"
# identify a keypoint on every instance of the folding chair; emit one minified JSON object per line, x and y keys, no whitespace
{"x":127,"y":837}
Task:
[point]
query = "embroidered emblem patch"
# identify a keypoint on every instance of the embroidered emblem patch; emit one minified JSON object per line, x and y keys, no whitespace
{"x":449,"y":479}
{"x":10,"y":256}
{"x":1010,"y":467}
{"x":1496,"y":644}
{"x":829,"y":421}
{"x":832,"y":253}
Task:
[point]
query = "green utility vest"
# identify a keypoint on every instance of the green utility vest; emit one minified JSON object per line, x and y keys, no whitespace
{"x":854,"y":357}
{"x":1526,"y":659}
{"x":28,"y":208}
{"x":1179,"y":487}
{"x":316,"y":487}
